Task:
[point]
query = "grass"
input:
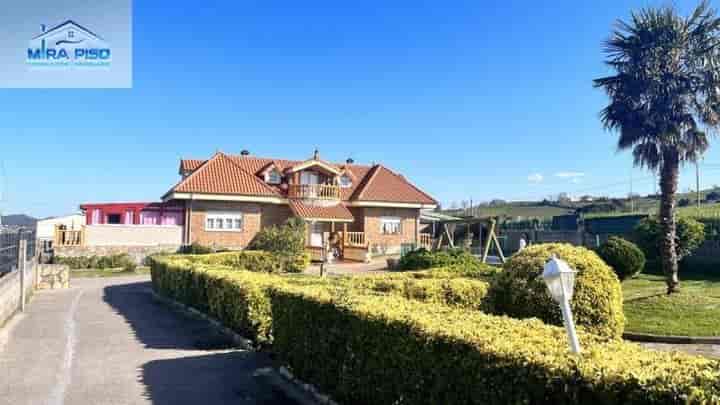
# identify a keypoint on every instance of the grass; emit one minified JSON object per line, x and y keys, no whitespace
{"x":694,"y":311}
{"x":119,"y":272}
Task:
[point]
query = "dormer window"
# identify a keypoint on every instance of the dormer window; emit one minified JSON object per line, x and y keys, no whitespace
{"x":345,"y":181}
{"x":273,"y":177}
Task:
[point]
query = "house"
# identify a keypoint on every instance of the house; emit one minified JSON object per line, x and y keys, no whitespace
{"x":360,"y":209}
{"x":45,"y":228}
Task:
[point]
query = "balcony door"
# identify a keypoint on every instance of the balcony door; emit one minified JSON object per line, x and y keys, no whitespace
{"x":311,"y":180}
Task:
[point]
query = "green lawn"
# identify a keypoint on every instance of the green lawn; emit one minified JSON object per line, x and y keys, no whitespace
{"x":108,"y":272}
{"x":694,"y":311}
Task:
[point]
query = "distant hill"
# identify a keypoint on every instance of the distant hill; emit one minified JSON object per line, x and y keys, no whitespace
{"x":19,"y":220}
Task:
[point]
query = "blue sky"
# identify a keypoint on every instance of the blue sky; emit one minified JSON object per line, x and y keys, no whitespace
{"x":468,"y":99}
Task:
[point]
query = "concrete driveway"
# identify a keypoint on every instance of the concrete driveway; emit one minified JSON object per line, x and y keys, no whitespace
{"x":106,"y":341}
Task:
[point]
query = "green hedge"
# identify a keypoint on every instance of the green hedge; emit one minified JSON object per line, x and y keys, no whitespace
{"x":252,"y":260}
{"x":625,"y":258}
{"x":121,"y":260}
{"x":454,"y":258}
{"x":362,"y":347}
{"x":387,"y":350}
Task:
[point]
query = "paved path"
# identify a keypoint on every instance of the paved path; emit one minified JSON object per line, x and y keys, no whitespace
{"x":106,"y":341}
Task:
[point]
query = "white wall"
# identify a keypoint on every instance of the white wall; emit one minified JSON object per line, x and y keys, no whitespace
{"x":46,"y":227}
{"x":133,"y":235}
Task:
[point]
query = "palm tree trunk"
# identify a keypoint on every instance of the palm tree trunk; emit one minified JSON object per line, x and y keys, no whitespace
{"x":669,"y":174}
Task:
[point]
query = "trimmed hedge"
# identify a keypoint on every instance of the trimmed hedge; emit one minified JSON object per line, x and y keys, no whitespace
{"x":625,"y":258}
{"x":97,"y":262}
{"x":372,"y":349}
{"x":387,"y":350}
{"x":252,"y":260}
{"x":520,"y":291}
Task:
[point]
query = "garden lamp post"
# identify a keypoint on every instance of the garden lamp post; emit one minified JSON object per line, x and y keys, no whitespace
{"x":560,"y":280}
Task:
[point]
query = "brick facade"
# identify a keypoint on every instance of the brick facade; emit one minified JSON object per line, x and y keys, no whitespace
{"x":390,"y":244}
{"x":255,"y":217}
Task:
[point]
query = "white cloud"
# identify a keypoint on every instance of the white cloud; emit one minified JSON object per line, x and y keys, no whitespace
{"x":576,"y":180}
{"x":569,"y":175}
{"x":535,"y":178}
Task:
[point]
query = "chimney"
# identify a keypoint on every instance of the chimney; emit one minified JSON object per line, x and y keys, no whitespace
{"x":245,"y":152}
{"x":350,"y":161}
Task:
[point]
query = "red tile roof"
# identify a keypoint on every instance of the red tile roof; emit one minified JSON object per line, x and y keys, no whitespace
{"x":221,"y":175}
{"x":336,"y":212}
{"x":228,"y":174}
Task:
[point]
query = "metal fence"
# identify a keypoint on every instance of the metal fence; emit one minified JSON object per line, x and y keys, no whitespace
{"x":9,"y":243}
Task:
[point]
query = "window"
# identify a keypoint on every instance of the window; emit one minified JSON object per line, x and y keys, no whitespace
{"x":345,"y":181}
{"x":224,"y":221}
{"x":71,"y":34}
{"x":273,"y":177}
{"x":390,"y":225}
{"x":114,"y":219}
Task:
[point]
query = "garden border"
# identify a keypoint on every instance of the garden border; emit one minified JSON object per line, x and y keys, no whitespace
{"x":282,"y":378}
{"x":649,"y":338}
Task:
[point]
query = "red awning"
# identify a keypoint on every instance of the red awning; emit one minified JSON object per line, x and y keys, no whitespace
{"x":334,"y":213}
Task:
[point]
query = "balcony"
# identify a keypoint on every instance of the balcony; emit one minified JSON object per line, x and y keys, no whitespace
{"x":314,"y":191}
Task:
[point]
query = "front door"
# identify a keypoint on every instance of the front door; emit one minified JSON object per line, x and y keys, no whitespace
{"x":316,"y":234}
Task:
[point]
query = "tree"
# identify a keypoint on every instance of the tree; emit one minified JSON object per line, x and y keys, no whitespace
{"x":689,"y":236}
{"x":712,"y":196}
{"x":665,"y":88}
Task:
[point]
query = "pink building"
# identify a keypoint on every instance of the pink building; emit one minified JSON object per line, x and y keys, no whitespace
{"x":136,"y":213}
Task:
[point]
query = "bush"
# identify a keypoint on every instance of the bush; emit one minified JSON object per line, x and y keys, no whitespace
{"x":520,"y":291}
{"x":121,"y":260}
{"x":286,"y":241}
{"x":197,"y":249}
{"x":371,"y":349}
{"x":624,"y":257}
{"x":425,"y":259}
{"x":252,"y":260}
{"x":688,"y":236}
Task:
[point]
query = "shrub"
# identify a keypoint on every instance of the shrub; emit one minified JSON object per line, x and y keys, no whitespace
{"x":251,"y":260}
{"x":196,"y":249}
{"x":387,"y":350}
{"x":425,"y":259}
{"x":367,"y":349}
{"x":689,"y":235}
{"x":520,"y":291}
{"x":121,"y":260}
{"x":286,"y":241}
{"x":624,"y":257}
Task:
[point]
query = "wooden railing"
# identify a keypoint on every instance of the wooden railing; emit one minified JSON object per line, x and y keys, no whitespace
{"x":314,"y":191}
{"x":426,"y":240}
{"x":69,"y":237}
{"x":356,"y":239}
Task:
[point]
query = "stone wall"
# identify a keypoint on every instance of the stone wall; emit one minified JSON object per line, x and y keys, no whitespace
{"x":138,"y":253}
{"x":52,"y":276}
{"x":10,"y":291}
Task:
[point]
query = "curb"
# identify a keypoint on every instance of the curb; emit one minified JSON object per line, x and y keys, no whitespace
{"x":281,"y":379}
{"x":648,"y":338}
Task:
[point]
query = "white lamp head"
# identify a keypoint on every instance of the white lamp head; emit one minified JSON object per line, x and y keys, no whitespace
{"x":559,"y":278}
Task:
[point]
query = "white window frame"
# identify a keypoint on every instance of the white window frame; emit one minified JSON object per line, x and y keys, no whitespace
{"x":345,"y":181}
{"x":273,"y":176}
{"x":217,"y":221}
{"x":395,"y":222}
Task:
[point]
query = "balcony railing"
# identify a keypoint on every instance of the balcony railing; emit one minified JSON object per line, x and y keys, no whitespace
{"x":314,"y":191}
{"x":426,"y":241}
{"x":69,"y":237}
{"x":355,"y":239}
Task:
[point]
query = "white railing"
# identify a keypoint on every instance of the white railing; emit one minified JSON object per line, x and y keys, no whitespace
{"x":356,"y":239}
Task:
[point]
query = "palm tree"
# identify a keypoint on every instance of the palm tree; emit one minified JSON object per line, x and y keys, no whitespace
{"x":666,"y":87}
